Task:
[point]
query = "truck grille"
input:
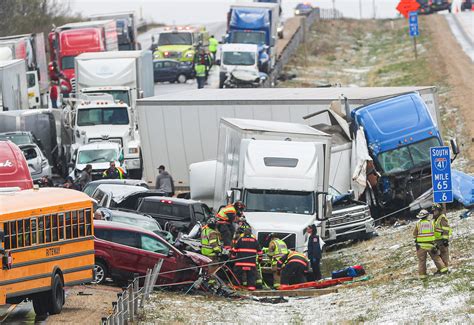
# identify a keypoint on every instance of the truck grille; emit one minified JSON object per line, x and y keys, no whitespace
{"x":264,"y":239}
{"x":345,"y":218}
{"x":116,"y":140}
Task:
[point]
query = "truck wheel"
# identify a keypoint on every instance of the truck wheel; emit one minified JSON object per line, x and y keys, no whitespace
{"x":39,"y":305}
{"x":181,"y":79}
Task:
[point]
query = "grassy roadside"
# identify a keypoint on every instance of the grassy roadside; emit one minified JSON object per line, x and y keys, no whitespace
{"x":376,"y":53}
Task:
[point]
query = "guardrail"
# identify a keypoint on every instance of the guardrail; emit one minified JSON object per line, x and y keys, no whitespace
{"x":133,"y":298}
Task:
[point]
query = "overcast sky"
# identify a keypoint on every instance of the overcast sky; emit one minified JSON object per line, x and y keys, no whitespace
{"x":205,"y":11}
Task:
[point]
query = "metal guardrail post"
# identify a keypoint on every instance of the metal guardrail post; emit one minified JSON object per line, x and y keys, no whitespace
{"x":145,"y":288}
{"x":125,"y":310}
{"x":156,"y":272}
{"x":136,"y":294}
{"x":119,"y":309}
{"x":113,"y":317}
{"x":131,"y":303}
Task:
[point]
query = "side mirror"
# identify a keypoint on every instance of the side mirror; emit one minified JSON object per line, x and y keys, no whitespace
{"x":218,"y":62}
{"x":230,"y":196}
{"x":141,"y":94}
{"x":454,"y":147}
{"x":170,"y":253}
{"x":328,"y":206}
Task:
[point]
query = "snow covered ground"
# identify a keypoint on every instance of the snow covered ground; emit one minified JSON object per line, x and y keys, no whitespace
{"x":393,"y":295}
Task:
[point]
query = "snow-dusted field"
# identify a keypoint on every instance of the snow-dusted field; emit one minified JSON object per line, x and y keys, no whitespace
{"x":393,"y":295}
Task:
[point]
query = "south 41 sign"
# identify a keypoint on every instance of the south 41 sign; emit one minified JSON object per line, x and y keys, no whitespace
{"x":441,"y":174}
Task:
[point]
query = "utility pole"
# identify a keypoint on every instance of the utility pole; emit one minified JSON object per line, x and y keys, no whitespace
{"x":373,"y":8}
{"x":360,"y":9}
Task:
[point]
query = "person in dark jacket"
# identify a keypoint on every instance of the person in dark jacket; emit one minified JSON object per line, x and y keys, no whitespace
{"x":314,"y":251}
{"x":292,"y":268}
{"x":247,"y":251}
{"x":85,"y":177}
{"x":164,"y":181}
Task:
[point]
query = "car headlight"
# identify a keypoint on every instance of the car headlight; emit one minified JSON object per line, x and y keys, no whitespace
{"x":157,"y":55}
{"x":189,"y":54}
{"x":132,"y":150}
{"x":297,"y":12}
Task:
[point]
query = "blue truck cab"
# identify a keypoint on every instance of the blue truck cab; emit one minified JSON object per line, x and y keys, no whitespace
{"x":252,"y":26}
{"x":399,"y":132}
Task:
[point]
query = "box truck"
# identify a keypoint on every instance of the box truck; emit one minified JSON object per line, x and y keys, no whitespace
{"x":255,"y":23}
{"x":13,"y":86}
{"x":126,"y":23}
{"x":32,"y":49}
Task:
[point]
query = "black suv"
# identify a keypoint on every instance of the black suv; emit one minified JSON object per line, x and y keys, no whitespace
{"x":430,"y":6}
{"x":173,"y":214}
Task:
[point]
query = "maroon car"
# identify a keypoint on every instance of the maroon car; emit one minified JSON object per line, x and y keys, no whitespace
{"x":122,"y":250}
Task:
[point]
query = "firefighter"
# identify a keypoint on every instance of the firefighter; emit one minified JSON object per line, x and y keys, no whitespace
{"x":424,"y":234}
{"x":246,"y":249}
{"x":276,"y":250}
{"x":442,"y":232}
{"x":293,"y":267}
{"x":225,"y":218}
{"x":211,"y":245}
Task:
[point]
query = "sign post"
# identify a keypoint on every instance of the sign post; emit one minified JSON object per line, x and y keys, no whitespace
{"x":441,"y":174}
{"x":414,"y":31}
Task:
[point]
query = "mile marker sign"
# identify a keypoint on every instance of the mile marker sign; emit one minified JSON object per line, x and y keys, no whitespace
{"x":441,"y":174}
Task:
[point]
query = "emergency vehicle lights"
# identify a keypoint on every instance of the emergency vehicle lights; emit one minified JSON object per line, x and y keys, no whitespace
{"x":166,"y":201}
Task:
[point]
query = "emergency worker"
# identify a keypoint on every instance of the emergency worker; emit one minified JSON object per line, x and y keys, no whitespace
{"x":246,"y":249}
{"x":424,"y":235}
{"x":442,"y":232}
{"x":213,"y":44}
{"x":293,"y":267}
{"x":114,"y":172}
{"x":200,"y":69}
{"x":211,"y":245}
{"x":275,"y":251}
{"x":225,"y":218}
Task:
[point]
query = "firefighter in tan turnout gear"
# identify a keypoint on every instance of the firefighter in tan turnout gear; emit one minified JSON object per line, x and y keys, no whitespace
{"x":442,"y":232}
{"x":424,"y":234}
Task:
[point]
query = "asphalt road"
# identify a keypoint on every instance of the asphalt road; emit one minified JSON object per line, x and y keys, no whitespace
{"x":217,"y":29}
{"x":462,"y":26}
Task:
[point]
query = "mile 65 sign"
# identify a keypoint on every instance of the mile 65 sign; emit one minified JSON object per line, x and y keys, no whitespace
{"x":441,"y":174}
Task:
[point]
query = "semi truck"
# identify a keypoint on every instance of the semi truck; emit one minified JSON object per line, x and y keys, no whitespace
{"x":32,"y":49}
{"x":13,"y":86}
{"x":97,"y":118}
{"x":180,"y":43}
{"x":70,"y":40}
{"x":255,"y":23}
{"x":281,"y":173}
{"x":126,"y":23}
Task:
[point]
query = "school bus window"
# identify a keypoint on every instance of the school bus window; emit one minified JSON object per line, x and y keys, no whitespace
{"x":33,"y":231}
{"x":40,"y":230}
{"x":47,"y":229}
{"x":20,"y":236}
{"x":54,"y":228}
{"x":6,"y":230}
{"x":27,"y":232}
{"x":75,"y":225}
{"x":88,"y":223}
{"x":61,"y":226}
{"x":82,"y":226}
{"x":68,"y":225}
{"x":13,"y":235}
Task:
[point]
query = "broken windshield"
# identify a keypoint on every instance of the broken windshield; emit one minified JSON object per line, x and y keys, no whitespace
{"x":175,"y":39}
{"x":407,"y":157}
{"x":279,"y":201}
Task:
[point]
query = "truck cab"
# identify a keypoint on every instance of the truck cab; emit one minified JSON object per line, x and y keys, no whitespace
{"x":99,"y":155}
{"x":399,"y":133}
{"x":180,"y":43}
{"x":237,"y":56}
{"x":95,"y":120}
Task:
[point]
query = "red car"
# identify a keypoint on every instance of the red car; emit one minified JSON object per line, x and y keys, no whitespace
{"x":122,"y":250}
{"x":14,"y":170}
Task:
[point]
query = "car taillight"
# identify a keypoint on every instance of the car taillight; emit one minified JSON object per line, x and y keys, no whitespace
{"x":166,"y":201}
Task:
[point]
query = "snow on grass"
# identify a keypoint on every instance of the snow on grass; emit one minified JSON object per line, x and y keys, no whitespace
{"x":393,"y":295}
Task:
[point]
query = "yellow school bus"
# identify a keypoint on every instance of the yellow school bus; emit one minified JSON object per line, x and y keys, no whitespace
{"x":46,"y":243}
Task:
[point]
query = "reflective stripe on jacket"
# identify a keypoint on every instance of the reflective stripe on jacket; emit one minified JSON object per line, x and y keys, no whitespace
{"x":226,"y":214}
{"x":200,"y":70}
{"x":294,"y":257}
{"x":245,"y":250}
{"x":442,"y":229}
{"x":210,"y":241}
{"x":425,"y":234}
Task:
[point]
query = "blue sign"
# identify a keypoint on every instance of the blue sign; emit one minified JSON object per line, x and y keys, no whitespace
{"x":441,"y":174}
{"x":413,"y":20}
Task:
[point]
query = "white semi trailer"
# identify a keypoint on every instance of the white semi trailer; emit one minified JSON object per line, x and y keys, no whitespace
{"x":13,"y":86}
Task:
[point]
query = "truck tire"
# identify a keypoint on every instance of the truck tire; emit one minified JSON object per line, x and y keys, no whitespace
{"x":39,"y":305}
{"x":56,"y":296}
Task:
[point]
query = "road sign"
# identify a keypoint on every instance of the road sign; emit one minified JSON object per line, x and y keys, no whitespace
{"x":406,"y":6}
{"x":441,"y":174}
{"x":413,"y":19}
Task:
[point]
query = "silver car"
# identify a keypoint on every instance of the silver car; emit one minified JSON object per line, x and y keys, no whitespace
{"x":37,"y":162}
